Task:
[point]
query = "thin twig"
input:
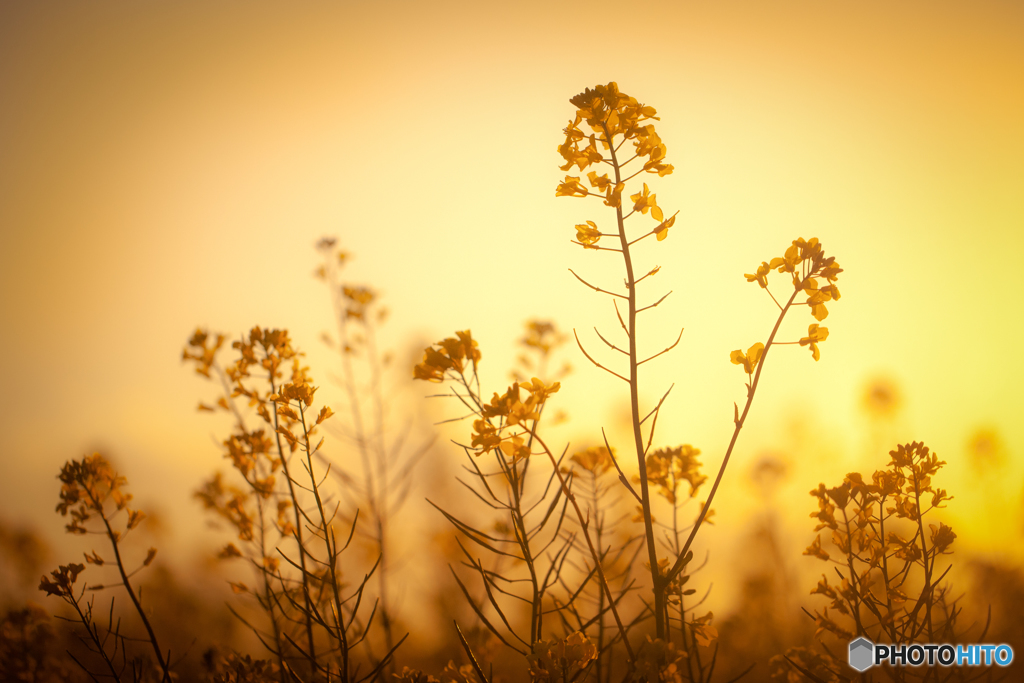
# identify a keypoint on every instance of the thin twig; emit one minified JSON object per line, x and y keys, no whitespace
{"x":595,"y":288}
{"x":578,"y":343}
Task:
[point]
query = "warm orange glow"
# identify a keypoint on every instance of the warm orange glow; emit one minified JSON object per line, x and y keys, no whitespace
{"x":168,"y":165}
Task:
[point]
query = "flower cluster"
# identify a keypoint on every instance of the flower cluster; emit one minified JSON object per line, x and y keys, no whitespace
{"x":702,"y":630}
{"x":878,"y":531}
{"x":450,"y":674}
{"x":657,"y":661}
{"x":511,"y":410}
{"x":63,"y":582}
{"x":235,"y":668}
{"x":560,"y":660}
{"x":231,"y":504}
{"x":807,"y":264}
{"x":358,"y":300}
{"x":538,"y":349}
{"x":667,"y":467}
{"x":543,"y":336}
{"x":281,"y":401}
{"x":595,"y":459}
{"x":448,"y":359}
{"x":264,"y":348}
{"x":608,"y":113}
{"x":407,"y":675}
{"x":86,"y":485}
{"x":204,"y":351}
{"x":448,"y":354}
{"x":612,"y":118}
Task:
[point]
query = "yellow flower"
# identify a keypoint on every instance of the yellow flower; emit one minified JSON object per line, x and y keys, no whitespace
{"x":359,"y":298}
{"x":515,"y":447}
{"x":407,"y":675}
{"x":229,"y":551}
{"x":595,"y":459}
{"x":613,"y":196}
{"x":485,"y":436}
{"x":297,"y":392}
{"x":520,"y":412}
{"x":702,"y":629}
{"x":661,"y":232}
{"x":667,"y":467}
{"x":587,"y":234}
{"x":815,"y":334}
{"x":815,"y":549}
{"x":749,"y":359}
{"x":554,"y":661}
{"x":658,"y":660}
{"x":427,"y":370}
{"x":539,"y":390}
{"x":942,"y":537}
{"x":600,"y":183}
{"x":571,"y":187}
{"x":501,"y":405}
{"x":817,"y":297}
{"x":64,"y":577}
{"x":649,"y":144}
{"x":449,"y":356}
{"x":645,"y":201}
{"x":761,"y":276}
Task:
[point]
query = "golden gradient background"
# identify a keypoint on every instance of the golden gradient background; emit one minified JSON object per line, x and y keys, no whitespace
{"x":168,"y":164}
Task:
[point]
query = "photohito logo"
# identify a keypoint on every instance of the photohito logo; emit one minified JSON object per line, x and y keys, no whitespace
{"x":864,"y":654}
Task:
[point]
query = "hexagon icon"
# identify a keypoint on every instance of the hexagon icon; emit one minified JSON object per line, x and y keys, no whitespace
{"x":862,"y":654}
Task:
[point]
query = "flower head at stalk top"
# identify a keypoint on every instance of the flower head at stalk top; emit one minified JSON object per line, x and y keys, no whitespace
{"x":451,"y":353}
{"x":605,"y":118}
{"x":607,"y":112}
{"x":595,"y":459}
{"x":807,"y":264}
{"x":668,"y":467}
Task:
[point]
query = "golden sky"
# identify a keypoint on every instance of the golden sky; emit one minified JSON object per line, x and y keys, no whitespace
{"x":167,"y":165}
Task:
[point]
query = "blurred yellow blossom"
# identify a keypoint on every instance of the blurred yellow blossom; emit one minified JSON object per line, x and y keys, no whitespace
{"x":595,"y":459}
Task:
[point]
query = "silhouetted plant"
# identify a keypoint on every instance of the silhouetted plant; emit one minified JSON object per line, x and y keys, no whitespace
{"x":381,"y":482}
{"x":314,"y":625}
{"x":614,"y":118}
{"x":887,"y":558}
{"x":92,"y":491}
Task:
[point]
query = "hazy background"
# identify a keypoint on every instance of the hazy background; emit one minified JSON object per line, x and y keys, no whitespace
{"x":171,"y":164}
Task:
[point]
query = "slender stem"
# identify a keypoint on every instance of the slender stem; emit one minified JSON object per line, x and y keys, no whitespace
{"x":94,"y":634}
{"x":853,"y":575}
{"x":634,"y":405}
{"x":599,"y":529}
{"x":331,"y":547}
{"x":584,"y":525}
{"x":112,"y":535}
{"x":924,"y":558}
{"x":519,"y":524}
{"x":680,"y":560}
{"x":308,"y":612}
{"x":263,"y":570}
{"x":383,"y":507}
{"x":890,"y":623}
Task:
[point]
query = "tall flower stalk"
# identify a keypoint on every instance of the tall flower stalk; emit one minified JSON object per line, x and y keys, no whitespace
{"x":612,"y":119}
{"x":615,"y":118}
